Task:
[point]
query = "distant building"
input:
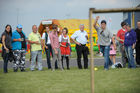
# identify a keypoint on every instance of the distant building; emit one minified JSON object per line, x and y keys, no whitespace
{"x":131,"y":17}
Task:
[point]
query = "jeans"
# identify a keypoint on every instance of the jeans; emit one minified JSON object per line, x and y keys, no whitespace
{"x":105,"y":50}
{"x":37,"y":54}
{"x":5,"y":62}
{"x":129,"y":53}
{"x":48,"y":51}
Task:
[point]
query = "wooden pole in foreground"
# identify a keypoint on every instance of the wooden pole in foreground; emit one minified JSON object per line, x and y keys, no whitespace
{"x":91,"y":52}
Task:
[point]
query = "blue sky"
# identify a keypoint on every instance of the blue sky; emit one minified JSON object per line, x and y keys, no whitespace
{"x":29,"y":12}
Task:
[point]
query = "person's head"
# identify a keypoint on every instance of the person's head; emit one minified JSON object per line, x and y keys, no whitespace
{"x":65,"y":31}
{"x":47,"y":29}
{"x":19,"y":27}
{"x":128,"y":27}
{"x":138,"y":24}
{"x":8,"y":29}
{"x":54,"y":28}
{"x":34,"y":28}
{"x":103,"y":24}
{"x":123,"y":25}
{"x":81,"y":27}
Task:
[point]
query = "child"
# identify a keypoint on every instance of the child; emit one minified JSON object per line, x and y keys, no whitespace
{"x":65,"y":46}
{"x":112,"y":53}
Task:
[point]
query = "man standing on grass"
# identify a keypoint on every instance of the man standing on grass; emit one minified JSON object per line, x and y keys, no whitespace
{"x":120,"y":37}
{"x":19,"y":48}
{"x":36,"y":49}
{"x":137,"y":30}
{"x":48,"y":47}
{"x":80,"y":39}
{"x":104,"y":37}
{"x":55,"y":47}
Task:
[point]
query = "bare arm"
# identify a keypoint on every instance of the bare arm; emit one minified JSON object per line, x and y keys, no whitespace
{"x":3,"y":42}
{"x":95,"y":22}
{"x":33,"y":42}
{"x":73,"y":40}
{"x":119,"y":39}
{"x":114,"y":44}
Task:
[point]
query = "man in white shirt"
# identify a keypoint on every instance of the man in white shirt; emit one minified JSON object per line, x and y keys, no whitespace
{"x":80,"y":39}
{"x":47,"y":46}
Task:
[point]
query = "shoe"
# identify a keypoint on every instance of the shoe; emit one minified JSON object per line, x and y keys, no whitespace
{"x":68,"y":68}
{"x":137,"y":66}
{"x":112,"y":66}
{"x":15,"y":70}
{"x":53,"y":69}
{"x":23,"y":70}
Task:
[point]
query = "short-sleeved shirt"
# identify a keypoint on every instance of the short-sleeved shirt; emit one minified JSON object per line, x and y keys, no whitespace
{"x":35,"y":37}
{"x":104,"y":37}
{"x":121,"y":34}
{"x":80,"y":36}
{"x":17,"y":45}
{"x":48,"y":40}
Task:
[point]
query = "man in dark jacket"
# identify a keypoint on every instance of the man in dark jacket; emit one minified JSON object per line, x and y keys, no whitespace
{"x":137,"y":30}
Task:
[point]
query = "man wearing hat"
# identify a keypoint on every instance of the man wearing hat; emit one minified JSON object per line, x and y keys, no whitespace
{"x":104,"y":37}
{"x":19,"y":48}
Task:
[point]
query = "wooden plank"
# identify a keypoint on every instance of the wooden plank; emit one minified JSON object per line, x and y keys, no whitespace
{"x":114,"y":10}
{"x":91,"y":52}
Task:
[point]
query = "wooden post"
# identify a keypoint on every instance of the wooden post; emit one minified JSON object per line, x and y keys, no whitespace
{"x":93,"y":10}
{"x":91,"y":52}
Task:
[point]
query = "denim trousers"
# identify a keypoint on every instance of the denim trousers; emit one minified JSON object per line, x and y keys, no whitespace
{"x":105,"y":50}
{"x":5,"y":59}
{"x":129,"y":54}
{"x":37,"y":54}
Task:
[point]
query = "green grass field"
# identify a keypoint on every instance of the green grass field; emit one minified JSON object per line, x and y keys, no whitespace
{"x":71,"y":81}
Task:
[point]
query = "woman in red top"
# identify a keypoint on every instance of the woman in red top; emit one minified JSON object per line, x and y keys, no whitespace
{"x":65,"y":46}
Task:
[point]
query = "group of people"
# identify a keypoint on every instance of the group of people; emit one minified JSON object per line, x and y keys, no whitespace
{"x":14,"y":45}
{"x":129,"y":39}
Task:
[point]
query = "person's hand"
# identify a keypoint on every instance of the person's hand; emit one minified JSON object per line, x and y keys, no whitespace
{"x":46,"y":47}
{"x":56,"y":52}
{"x":86,"y":36}
{"x":37,"y":42}
{"x":115,"y":47}
{"x":6,"y":49}
{"x":133,"y":47}
{"x":97,"y":18}
{"x":78,"y":43}
{"x":122,"y":40}
{"x":19,"y":39}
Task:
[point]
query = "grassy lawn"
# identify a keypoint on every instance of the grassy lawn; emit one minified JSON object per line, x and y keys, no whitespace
{"x":71,"y":81}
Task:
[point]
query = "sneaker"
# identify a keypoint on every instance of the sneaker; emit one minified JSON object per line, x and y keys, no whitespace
{"x":15,"y":69}
{"x":112,"y":66}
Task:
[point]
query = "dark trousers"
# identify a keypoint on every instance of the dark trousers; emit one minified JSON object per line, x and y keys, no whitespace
{"x":138,"y":54}
{"x":48,"y":51}
{"x":5,"y":59}
{"x":67,"y":61}
{"x":82,"y":50}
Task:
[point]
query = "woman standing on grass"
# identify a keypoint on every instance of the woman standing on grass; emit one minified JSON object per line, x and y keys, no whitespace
{"x":65,"y":47}
{"x":129,"y":43}
{"x":6,"y":46}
